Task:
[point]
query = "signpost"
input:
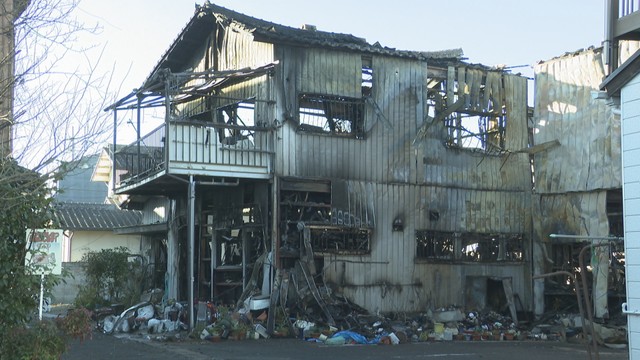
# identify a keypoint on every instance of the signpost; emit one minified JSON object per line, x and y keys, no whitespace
{"x":44,"y":255}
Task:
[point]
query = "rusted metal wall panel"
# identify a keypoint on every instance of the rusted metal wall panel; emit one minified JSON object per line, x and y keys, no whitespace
{"x":285,"y":91}
{"x":571,"y":213}
{"x":386,"y":153}
{"x":155,"y":210}
{"x":329,"y":72}
{"x":472,"y":192}
{"x":441,"y":165}
{"x":391,"y":279}
{"x":572,"y":179}
{"x":471,"y":210}
{"x":588,"y":157}
{"x":233,"y":49}
{"x":236,"y":49}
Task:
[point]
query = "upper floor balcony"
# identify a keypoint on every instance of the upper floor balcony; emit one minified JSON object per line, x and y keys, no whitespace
{"x":623,"y":19}
{"x":204,"y":135}
{"x":193,"y":148}
{"x":622,"y":22}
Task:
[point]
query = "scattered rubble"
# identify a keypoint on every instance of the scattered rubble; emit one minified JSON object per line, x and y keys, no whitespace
{"x":351,"y":324}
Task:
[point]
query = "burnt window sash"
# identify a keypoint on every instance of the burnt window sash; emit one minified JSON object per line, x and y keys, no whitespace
{"x":469,"y":247}
{"x":331,"y":114}
{"x":241,"y":113}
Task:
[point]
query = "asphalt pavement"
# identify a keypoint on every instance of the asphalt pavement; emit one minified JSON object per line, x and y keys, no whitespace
{"x":140,"y":347}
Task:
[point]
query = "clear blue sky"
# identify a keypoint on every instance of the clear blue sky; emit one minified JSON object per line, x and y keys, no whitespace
{"x":511,"y":32}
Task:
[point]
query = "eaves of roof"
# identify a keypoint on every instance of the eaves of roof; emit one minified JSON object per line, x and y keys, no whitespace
{"x":83,"y":216}
{"x":208,"y":15}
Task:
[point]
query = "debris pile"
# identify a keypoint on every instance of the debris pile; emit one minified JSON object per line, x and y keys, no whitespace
{"x":315,"y":313}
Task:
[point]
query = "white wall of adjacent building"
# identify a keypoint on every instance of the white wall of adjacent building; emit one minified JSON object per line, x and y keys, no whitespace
{"x":78,"y":243}
{"x":630,"y":113}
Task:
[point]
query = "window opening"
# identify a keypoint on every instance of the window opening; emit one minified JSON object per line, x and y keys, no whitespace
{"x":485,"y":131}
{"x":435,"y":245}
{"x":367,"y":76}
{"x":240,"y":114}
{"x":340,"y":240}
{"x":473,"y":113}
{"x":615,"y":212}
{"x":336,"y":115}
{"x":473,"y":247}
{"x":491,"y":247}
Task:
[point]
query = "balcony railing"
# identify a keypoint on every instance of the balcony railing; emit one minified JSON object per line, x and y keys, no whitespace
{"x":622,"y":22}
{"x":196,"y":148}
{"x":626,"y":7}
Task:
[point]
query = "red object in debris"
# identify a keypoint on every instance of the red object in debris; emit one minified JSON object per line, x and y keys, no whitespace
{"x":262,"y":317}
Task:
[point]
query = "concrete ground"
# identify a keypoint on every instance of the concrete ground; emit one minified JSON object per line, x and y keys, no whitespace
{"x":139,"y":348}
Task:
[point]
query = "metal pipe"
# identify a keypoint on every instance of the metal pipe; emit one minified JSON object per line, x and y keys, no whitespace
{"x":586,"y":237}
{"x":626,"y":311}
{"x":587,"y":301}
{"x":191,"y":204}
{"x":113,"y":159}
{"x":138,"y":121}
{"x":167,"y":118}
{"x":578,"y":297}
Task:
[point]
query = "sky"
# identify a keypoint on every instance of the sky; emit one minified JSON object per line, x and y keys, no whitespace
{"x":135,"y":33}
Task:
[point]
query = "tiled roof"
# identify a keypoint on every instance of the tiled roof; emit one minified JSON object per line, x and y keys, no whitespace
{"x":271,"y":32}
{"x":206,"y":16}
{"x":83,"y":216}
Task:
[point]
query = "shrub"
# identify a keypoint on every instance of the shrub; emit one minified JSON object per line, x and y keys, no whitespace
{"x":45,"y":340}
{"x":111,"y":278}
{"x":77,"y":324}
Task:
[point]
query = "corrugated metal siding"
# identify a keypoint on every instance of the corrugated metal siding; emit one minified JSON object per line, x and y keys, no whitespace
{"x":588,"y":157}
{"x":155,"y":210}
{"x":389,"y":279}
{"x":571,"y":213}
{"x":237,"y":49}
{"x":328,"y":72}
{"x":472,"y":192}
{"x":630,"y":104}
{"x":386,"y":155}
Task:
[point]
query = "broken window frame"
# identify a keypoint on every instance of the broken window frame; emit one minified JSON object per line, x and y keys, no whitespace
{"x":474,"y":127}
{"x":469,"y":247}
{"x":435,"y":245}
{"x":477,"y":247}
{"x":331,"y":114}
{"x":490,"y":134}
{"x":340,"y":240}
{"x":240,"y":113}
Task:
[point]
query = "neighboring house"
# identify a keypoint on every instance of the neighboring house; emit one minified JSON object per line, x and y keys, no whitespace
{"x":76,"y":186}
{"x":403,"y":177}
{"x":91,"y":227}
{"x":623,"y":85}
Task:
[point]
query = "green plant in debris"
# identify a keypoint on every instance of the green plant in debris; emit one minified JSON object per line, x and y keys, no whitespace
{"x":111,"y":278}
{"x":77,"y":324}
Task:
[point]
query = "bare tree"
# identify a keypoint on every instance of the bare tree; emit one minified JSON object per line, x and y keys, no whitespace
{"x":59,"y":92}
{"x":51,"y":101}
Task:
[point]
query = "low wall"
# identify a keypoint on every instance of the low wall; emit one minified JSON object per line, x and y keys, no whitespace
{"x":65,"y":293}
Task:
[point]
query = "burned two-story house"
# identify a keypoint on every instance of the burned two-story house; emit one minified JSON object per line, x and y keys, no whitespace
{"x":400,"y":180}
